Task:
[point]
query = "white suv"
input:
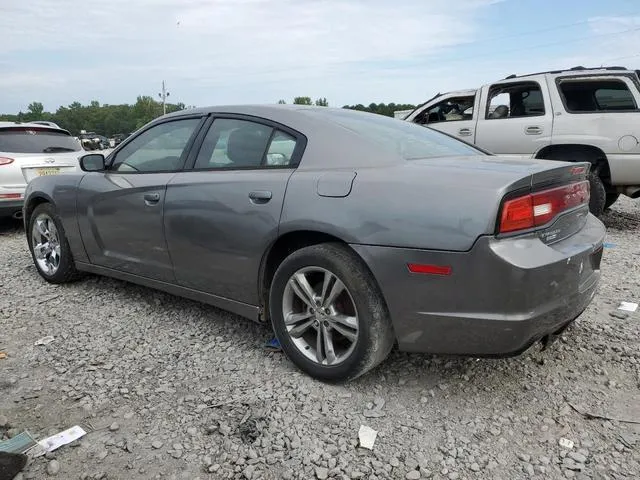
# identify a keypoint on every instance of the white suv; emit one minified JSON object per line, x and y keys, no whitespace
{"x":578,"y":114}
{"x":28,"y":150}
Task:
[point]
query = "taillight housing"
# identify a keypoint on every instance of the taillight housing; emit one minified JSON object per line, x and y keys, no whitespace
{"x":5,"y":161}
{"x":539,"y":208}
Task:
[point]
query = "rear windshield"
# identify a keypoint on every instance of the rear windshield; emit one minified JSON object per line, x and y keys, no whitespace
{"x":406,"y":139}
{"x":36,"y":140}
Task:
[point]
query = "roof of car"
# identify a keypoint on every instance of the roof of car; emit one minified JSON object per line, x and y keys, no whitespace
{"x":29,"y":124}
{"x":576,"y":70}
{"x":250,"y":109}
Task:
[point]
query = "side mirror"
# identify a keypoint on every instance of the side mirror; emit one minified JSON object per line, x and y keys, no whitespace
{"x":93,"y":162}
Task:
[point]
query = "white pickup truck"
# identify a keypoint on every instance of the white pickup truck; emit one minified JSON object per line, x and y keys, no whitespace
{"x":578,"y":114}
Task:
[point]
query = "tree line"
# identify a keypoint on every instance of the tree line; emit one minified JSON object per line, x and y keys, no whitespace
{"x":109,"y":120}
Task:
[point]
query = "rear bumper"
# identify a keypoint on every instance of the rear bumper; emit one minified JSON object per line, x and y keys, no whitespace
{"x":10,"y":208}
{"x":501,"y":297}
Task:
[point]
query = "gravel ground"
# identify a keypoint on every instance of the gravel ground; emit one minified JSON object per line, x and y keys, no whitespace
{"x":176,"y":390}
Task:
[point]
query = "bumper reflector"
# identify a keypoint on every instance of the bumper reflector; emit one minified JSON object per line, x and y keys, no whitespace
{"x":429,"y":269}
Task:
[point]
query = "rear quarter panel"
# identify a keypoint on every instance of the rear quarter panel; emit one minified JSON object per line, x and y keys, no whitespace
{"x":409,"y":205}
{"x":61,"y":191}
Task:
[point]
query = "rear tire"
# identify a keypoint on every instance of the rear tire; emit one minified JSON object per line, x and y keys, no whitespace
{"x":598,"y":200}
{"x":611,"y":199}
{"x":354,"y":346}
{"x":49,"y":247}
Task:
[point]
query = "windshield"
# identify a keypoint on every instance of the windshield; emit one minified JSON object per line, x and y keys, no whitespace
{"x":37,"y":140}
{"x":409,"y":140}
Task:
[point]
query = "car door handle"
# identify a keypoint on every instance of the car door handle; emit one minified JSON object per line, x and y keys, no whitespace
{"x":260,"y":196}
{"x":533,"y":130}
{"x":151,"y":198}
{"x":464,"y":132}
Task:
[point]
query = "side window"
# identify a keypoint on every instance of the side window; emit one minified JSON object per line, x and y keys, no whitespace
{"x":449,"y":110}
{"x":590,"y":96}
{"x":515,"y":100}
{"x":281,"y":149}
{"x":232,"y":143}
{"x":158,"y":149}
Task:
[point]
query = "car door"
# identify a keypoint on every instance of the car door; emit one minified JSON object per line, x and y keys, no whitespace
{"x":518,"y":119}
{"x":452,"y":115}
{"x":120,"y":210}
{"x":221,"y":216}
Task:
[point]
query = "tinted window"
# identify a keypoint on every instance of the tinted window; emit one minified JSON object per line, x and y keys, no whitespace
{"x":515,"y":100}
{"x":158,"y":149}
{"x":406,"y":139}
{"x":36,"y":140}
{"x":232,"y":143}
{"x":596,"y":95}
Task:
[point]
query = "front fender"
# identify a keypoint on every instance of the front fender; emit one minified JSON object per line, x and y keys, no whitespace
{"x":61,"y":192}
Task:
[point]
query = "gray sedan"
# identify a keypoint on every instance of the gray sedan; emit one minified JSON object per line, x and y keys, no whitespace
{"x":349,"y":232}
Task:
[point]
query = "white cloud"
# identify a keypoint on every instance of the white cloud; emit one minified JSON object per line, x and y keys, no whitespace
{"x":241,"y":51}
{"x":199,"y":45}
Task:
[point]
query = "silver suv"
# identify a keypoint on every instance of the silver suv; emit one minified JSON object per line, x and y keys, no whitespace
{"x":28,"y":150}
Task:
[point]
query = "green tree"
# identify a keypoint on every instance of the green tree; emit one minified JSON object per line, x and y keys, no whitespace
{"x":302,"y":101}
{"x":35,"y":110}
{"x":281,"y":102}
{"x":322,"y":102}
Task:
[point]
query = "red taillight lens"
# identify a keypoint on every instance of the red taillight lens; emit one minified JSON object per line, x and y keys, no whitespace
{"x":5,"y":161}
{"x":538,"y":208}
{"x":10,"y":196}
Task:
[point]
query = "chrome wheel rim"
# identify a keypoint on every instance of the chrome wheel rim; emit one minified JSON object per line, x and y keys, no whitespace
{"x":46,"y":244}
{"x":320,"y":316}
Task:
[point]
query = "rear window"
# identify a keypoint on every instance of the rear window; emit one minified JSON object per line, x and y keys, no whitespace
{"x":36,"y":140}
{"x":409,"y":140}
{"x":597,"y":96}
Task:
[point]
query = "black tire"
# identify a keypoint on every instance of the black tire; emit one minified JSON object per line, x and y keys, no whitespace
{"x":611,"y":199}
{"x":375,"y":336}
{"x":66,"y":271}
{"x":598,"y":200}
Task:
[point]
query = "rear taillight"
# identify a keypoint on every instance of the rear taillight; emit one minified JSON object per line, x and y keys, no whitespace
{"x":5,"y":161}
{"x":539,"y":208}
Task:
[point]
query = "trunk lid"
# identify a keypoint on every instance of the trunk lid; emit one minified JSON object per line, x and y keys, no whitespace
{"x":36,"y":165}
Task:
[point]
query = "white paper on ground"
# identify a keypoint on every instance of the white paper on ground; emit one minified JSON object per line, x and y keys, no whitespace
{"x":367,"y":437}
{"x":628,"y":306}
{"x":59,"y":439}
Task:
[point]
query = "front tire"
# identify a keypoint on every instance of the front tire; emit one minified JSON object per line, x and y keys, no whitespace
{"x":328,"y":313}
{"x":49,"y":246}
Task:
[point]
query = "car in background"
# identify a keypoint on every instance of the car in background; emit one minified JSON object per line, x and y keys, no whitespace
{"x":576,"y":115}
{"x":92,"y":141}
{"x":29,"y":150}
{"x":281,"y":214}
{"x":117,"y":139}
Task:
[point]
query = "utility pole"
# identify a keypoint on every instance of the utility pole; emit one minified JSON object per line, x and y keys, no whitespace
{"x":164,"y":96}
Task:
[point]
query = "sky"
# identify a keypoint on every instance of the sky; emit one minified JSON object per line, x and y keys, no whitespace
{"x":214,"y":52}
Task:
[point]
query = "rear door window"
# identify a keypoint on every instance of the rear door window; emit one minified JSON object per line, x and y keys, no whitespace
{"x":237,"y":144}
{"x":36,"y":140}
{"x":597,"y":95}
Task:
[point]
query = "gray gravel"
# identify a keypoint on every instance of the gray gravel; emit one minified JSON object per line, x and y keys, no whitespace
{"x":171,"y":389}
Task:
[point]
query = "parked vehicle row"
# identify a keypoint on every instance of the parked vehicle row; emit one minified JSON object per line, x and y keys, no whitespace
{"x":575,"y":115}
{"x":282,"y":214}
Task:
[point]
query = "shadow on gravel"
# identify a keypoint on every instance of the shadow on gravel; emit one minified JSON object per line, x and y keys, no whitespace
{"x":10,"y":226}
{"x":624,"y":221}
